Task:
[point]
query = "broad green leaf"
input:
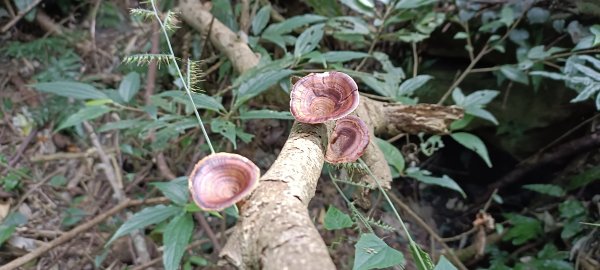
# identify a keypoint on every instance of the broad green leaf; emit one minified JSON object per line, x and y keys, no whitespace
{"x":479,"y":98}
{"x":474,"y":143}
{"x":537,"y":15}
{"x":85,"y":113}
{"x":444,"y":264}
{"x":372,"y":253}
{"x":360,"y":7}
{"x":202,"y":101}
{"x":225,"y":128}
{"x":424,"y":176}
{"x":587,"y":92}
{"x":481,"y":113}
{"x":176,"y":190}
{"x":74,"y":90}
{"x":507,"y":15}
{"x":571,"y":208}
{"x":351,"y":25}
{"x":587,"y":71}
{"x":460,"y":35}
{"x":584,"y":178}
{"x":392,"y":154}
{"x":176,"y":238}
{"x":523,"y":229}
{"x":514,"y":74}
{"x":292,"y":23}
{"x":259,"y":83}
{"x":336,"y":219}
{"x":408,"y":87}
{"x":548,"y":189}
{"x":261,"y":19}
{"x":422,"y":259}
{"x":308,"y":40}
{"x":339,"y":56}
{"x":223,"y":11}
{"x":129,"y":86}
{"x":146,"y":217}
{"x":265,"y":114}
{"x":409,"y":4}
{"x":10,"y":224}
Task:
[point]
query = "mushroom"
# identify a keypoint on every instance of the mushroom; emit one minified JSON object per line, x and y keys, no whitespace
{"x":221,"y":180}
{"x":348,"y":140}
{"x":319,"y":97}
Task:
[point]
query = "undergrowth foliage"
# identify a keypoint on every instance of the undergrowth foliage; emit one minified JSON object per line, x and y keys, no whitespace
{"x":517,"y":30}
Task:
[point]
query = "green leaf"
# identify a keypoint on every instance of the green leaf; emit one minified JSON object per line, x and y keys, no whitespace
{"x":514,"y":74}
{"x":548,"y":189}
{"x":372,"y":253}
{"x":571,"y":208}
{"x":146,"y":217}
{"x":524,"y":229}
{"x":408,"y":87}
{"x":9,"y":225}
{"x":222,"y":10}
{"x":129,"y":86}
{"x":261,"y":19}
{"x":202,"y":101}
{"x":265,"y":114}
{"x":584,"y":178}
{"x":225,"y":128}
{"x":444,"y":181}
{"x":460,"y":35}
{"x":292,"y":23}
{"x":444,"y":264}
{"x":360,"y":7}
{"x":308,"y":40}
{"x":474,"y":143}
{"x":259,"y":83}
{"x":74,"y":90}
{"x":338,"y":56}
{"x":537,"y":15}
{"x":422,"y":259}
{"x":336,"y":219}
{"x":392,"y":154}
{"x":410,"y":4}
{"x":176,"y":190}
{"x":85,"y":113}
{"x":176,"y":238}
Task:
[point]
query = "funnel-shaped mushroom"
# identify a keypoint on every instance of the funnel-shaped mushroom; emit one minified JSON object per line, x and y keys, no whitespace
{"x":348,"y":140}
{"x":320,"y":97}
{"x":220,"y":180}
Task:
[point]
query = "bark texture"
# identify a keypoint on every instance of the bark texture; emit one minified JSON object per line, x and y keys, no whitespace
{"x":275,"y":230}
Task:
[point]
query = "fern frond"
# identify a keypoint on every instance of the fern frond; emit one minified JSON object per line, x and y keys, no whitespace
{"x":380,"y":224}
{"x":171,"y":22}
{"x":145,"y":59}
{"x":195,"y":75}
{"x":144,"y":14}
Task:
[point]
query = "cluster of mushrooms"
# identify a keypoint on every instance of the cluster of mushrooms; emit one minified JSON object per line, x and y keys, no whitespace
{"x":220,"y":180}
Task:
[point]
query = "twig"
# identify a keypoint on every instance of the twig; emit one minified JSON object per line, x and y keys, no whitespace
{"x":66,"y":155}
{"x":107,"y":168}
{"x":15,"y":158}
{"x":19,"y":15}
{"x":388,"y":12}
{"x":209,"y":232}
{"x":485,"y":50}
{"x":415,"y":59}
{"x":78,"y":230}
{"x":429,"y":230}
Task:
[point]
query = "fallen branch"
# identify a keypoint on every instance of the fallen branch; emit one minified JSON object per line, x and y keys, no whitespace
{"x":275,"y":230}
{"x":78,"y":230}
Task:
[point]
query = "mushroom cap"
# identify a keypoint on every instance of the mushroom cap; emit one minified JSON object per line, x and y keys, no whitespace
{"x":222,"y":179}
{"x":319,"y":97}
{"x":348,"y":140}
